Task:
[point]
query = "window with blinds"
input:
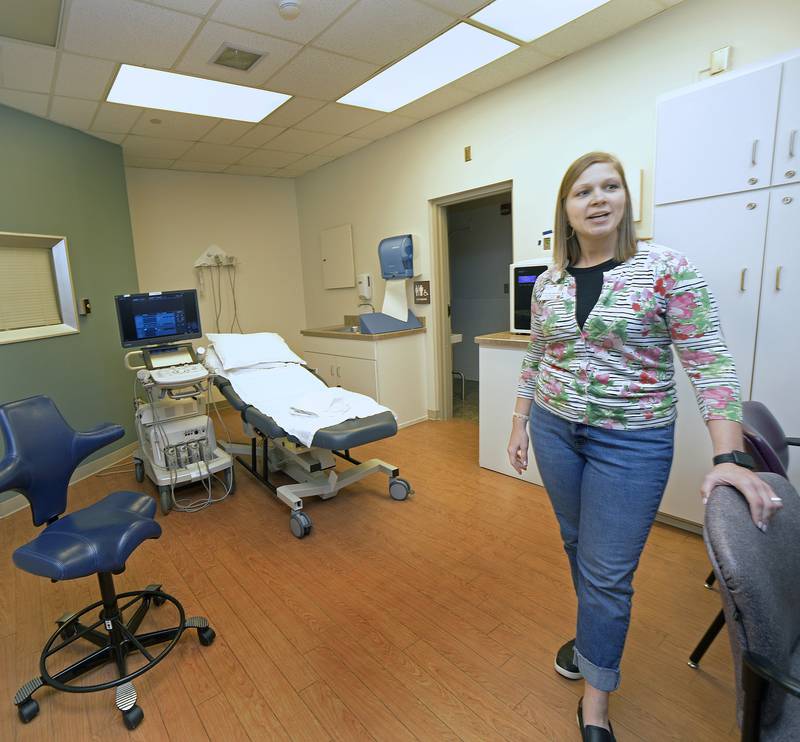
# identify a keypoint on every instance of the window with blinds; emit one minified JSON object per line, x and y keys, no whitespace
{"x":28,"y":291}
{"x":36,"y":296}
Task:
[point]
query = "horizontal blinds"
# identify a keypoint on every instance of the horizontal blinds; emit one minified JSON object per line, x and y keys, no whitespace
{"x":28,"y":294}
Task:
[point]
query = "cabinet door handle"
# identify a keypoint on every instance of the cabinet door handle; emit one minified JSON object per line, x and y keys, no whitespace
{"x":792,"y":135}
{"x":338,"y":372}
{"x":754,"y":152}
{"x":332,"y":374}
{"x":741,"y":279}
{"x":778,"y":278}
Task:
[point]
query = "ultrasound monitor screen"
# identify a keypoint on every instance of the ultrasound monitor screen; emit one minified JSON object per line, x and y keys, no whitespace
{"x":158,"y":318}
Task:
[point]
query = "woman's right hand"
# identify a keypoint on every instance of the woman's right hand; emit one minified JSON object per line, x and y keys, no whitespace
{"x":518,"y":447}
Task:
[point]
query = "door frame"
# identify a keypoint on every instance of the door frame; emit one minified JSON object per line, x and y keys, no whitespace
{"x":440,"y":299}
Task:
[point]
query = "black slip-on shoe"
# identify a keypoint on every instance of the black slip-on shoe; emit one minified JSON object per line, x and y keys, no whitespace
{"x":591,"y":733}
{"x":565,"y":664}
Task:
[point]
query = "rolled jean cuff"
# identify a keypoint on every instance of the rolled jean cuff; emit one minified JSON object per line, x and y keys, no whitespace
{"x":602,"y":678}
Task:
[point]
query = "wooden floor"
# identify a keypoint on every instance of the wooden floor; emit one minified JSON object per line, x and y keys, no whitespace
{"x":436,"y":618}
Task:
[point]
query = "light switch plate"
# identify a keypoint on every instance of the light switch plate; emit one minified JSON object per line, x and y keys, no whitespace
{"x":719,"y":60}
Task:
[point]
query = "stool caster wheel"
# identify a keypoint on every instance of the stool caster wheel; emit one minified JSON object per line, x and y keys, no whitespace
{"x":300,"y":524}
{"x":28,"y":710}
{"x":158,"y":601}
{"x":206,"y":636}
{"x":138,"y":470}
{"x":133,"y":717}
{"x":68,"y":631}
{"x":399,"y":489}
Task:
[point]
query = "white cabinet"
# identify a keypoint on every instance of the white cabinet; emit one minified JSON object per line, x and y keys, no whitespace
{"x":786,"y":167}
{"x":777,"y":350}
{"x":390,"y":370}
{"x":718,"y":138}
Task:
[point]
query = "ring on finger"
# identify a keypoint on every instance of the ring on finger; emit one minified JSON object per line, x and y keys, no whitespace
{"x":775,"y":499}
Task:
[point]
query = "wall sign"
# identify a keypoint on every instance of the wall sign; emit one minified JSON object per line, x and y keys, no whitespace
{"x":422,"y":292}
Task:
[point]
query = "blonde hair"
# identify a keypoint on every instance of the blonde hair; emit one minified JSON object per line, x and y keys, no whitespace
{"x":566,"y":248}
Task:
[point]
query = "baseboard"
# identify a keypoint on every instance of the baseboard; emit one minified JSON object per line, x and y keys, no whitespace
{"x":684,"y":525}
{"x":18,"y":502}
{"x":413,"y":422}
{"x":434,"y":415}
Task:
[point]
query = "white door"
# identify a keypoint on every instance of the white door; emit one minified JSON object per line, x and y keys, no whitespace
{"x":786,"y":168}
{"x":718,"y":138}
{"x":778,"y":344}
{"x":724,"y":237}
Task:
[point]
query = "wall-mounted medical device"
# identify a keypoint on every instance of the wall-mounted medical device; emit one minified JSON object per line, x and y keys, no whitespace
{"x":397,"y":257}
{"x":521,"y":279}
{"x":158,"y":318}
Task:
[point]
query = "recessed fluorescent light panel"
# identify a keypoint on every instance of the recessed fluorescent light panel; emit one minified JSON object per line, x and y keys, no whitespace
{"x":454,"y":54}
{"x":530,"y":19}
{"x":137,"y":86}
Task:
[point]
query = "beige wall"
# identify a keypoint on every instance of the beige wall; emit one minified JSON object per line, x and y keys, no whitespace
{"x":177,"y":215}
{"x":528,"y":132}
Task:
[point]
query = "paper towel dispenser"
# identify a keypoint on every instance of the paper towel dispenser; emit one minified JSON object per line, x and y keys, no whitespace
{"x":396,"y":255}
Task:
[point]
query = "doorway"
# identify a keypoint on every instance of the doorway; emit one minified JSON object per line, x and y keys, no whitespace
{"x":472,"y":250}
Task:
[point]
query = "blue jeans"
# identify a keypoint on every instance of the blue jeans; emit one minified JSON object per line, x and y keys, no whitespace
{"x":605,"y":486}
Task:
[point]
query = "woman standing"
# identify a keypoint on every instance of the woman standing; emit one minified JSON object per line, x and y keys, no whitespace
{"x":597,"y":387}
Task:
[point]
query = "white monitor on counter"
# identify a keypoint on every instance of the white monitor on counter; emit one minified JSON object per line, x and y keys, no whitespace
{"x":521,"y":279}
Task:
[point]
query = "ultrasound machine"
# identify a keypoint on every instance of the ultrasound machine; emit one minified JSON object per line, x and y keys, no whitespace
{"x":177,"y":445}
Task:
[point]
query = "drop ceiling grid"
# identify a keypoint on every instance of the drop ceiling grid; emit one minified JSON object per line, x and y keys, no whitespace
{"x":346,"y":38}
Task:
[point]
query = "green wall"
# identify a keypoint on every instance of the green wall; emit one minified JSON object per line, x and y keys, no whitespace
{"x":58,"y":181}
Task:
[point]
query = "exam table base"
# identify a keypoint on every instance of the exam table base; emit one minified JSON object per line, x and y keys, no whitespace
{"x":313,"y":470}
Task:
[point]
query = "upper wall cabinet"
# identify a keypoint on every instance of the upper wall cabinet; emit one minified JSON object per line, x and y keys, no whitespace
{"x":718,"y":138}
{"x":786,"y":168}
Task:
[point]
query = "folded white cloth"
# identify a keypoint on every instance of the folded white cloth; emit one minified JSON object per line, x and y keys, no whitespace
{"x":298,"y":401}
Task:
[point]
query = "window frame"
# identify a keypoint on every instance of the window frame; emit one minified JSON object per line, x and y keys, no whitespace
{"x":65,"y":290}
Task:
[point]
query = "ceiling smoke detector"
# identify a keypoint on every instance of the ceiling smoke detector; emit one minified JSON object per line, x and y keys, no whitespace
{"x":289,"y":9}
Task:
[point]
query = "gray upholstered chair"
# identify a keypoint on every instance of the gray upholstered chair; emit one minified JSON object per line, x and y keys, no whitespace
{"x":759,"y":581}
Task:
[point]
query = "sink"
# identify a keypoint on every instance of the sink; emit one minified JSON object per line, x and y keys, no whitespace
{"x":346,"y":329}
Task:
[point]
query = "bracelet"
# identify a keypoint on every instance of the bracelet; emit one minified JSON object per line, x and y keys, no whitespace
{"x":521,"y":416}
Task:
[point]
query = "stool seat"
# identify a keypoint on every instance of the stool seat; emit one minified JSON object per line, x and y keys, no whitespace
{"x":98,"y":538}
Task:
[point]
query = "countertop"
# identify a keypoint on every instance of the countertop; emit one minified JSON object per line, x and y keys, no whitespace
{"x":504,"y":340}
{"x":339,"y":334}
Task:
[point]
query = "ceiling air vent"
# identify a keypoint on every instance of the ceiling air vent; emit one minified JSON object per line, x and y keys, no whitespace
{"x":237,"y":59}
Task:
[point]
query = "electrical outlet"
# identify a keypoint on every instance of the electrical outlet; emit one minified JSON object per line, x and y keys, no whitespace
{"x":467,"y":154}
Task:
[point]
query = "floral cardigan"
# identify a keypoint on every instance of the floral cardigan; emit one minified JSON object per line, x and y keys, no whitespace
{"x":617,"y":372}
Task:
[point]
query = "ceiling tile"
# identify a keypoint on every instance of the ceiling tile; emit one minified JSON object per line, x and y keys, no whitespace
{"x":115,"y":118}
{"x":114,"y":138}
{"x":173,"y":125}
{"x":199,"y":167}
{"x":249,"y":170}
{"x":311,"y":162}
{"x":305,"y":142}
{"x":136,"y":146}
{"x":259,"y":135}
{"x":336,"y":118}
{"x":290,"y":172}
{"x":343,"y":146}
{"x":83,"y":77}
{"x":600,"y":23}
{"x":26,"y":67}
{"x":381,"y":31}
{"x":221,"y":153}
{"x":74,"y":112}
{"x":197,"y":7}
{"x":269,"y":158}
{"x":127,"y":31}
{"x":320,"y":74}
{"x":459,"y":7}
{"x":35,"y":103}
{"x":227,"y":132}
{"x":35,"y":21}
{"x":519,"y":63}
{"x":208,"y":43}
{"x":263,"y":16}
{"x":150,"y":162}
{"x":384,"y":127}
{"x":435,"y":102}
{"x":294,"y":110}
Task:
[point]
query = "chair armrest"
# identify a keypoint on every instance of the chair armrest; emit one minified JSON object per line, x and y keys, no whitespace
{"x":765,"y":669}
{"x":12,"y":477}
{"x":88,"y":442}
{"x":793,"y":441}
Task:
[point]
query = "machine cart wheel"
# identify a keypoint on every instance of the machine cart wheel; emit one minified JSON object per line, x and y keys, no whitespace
{"x":300,"y":524}
{"x":138,"y":470}
{"x":28,"y":710}
{"x":133,"y":717}
{"x":399,"y":489}
{"x":230,"y":480}
{"x":165,"y":498}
